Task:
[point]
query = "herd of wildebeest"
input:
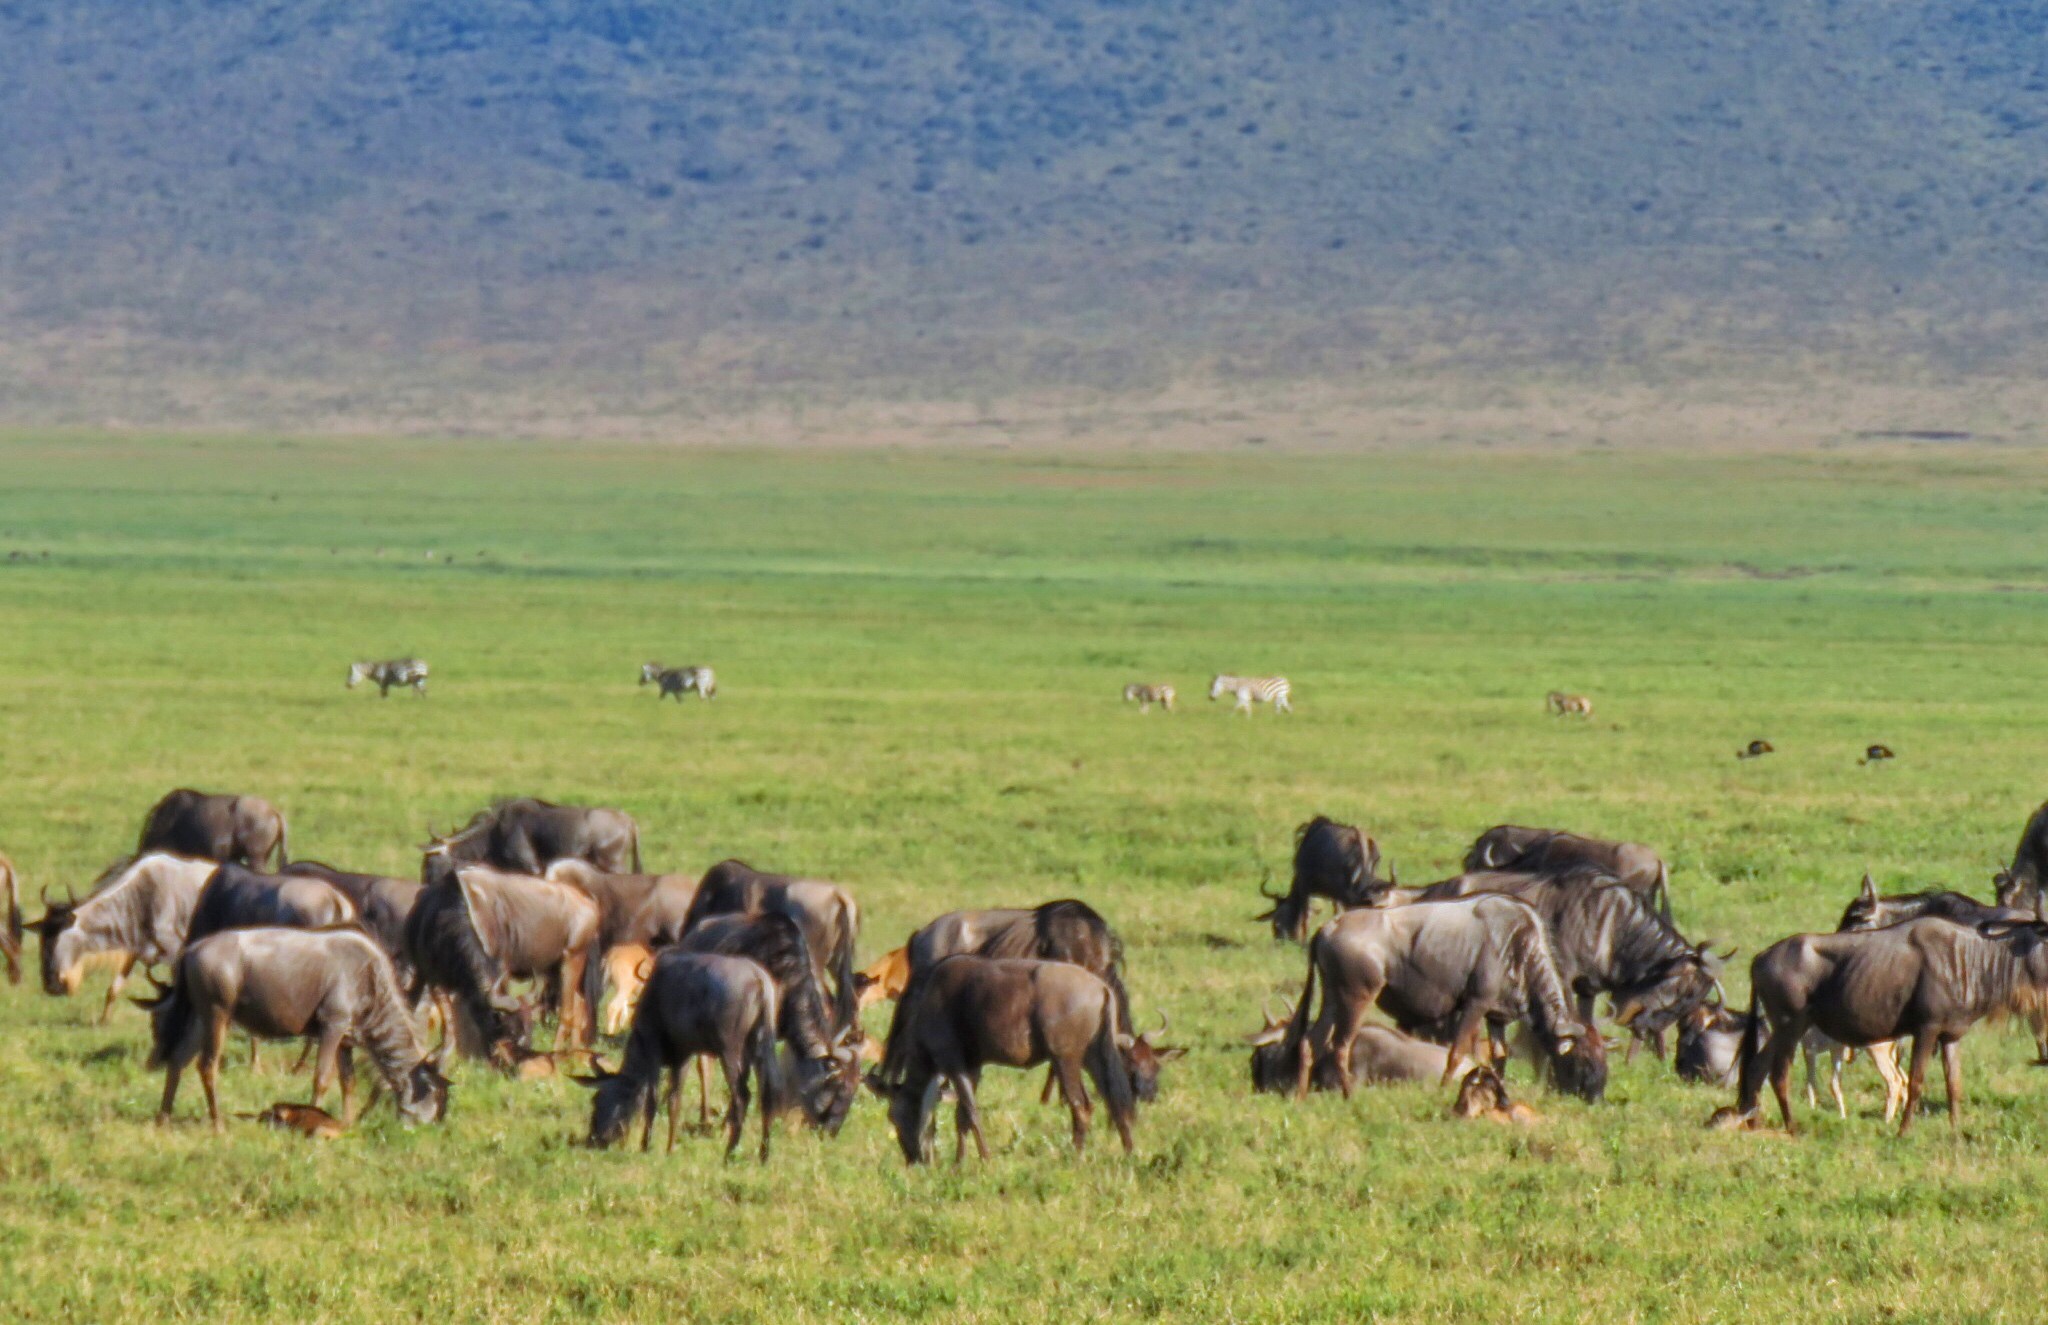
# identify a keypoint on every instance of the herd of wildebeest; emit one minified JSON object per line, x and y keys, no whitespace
{"x":532,"y":913}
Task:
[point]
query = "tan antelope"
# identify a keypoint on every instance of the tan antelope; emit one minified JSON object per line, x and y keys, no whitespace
{"x":1560,"y":703}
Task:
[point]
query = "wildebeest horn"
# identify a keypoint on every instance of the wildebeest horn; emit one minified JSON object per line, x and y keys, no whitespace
{"x":643,"y":970}
{"x":1265,"y":878}
{"x":1869,"y":886}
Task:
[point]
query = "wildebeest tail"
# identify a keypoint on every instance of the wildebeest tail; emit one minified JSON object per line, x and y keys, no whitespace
{"x":594,"y":969}
{"x":769,"y":1081}
{"x":1749,"y":1062}
{"x":845,"y":999}
{"x":636,"y":848}
{"x":1297,"y":1025}
{"x":174,"y":1025}
{"x":1115,"y":1081}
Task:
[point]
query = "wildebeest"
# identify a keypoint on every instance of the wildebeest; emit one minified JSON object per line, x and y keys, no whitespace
{"x":1145,"y":696}
{"x":1380,"y":1055}
{"x":627,"y":967}
{"x":474,"y":928}
{"x":399,"y":672}
{"x":1549,"y":851}
{"x":138,"y":909}
{"x":10,"y":934}
{"x":695,"y":1004}
{"x":1560,"y":703}
{"x":238,"y":898}
{"x":826,"y":911}
{"x":2020,"y":884}
{"x":527,"y":835}
{"x":315,"y":1124}
{"x":970,"y":1012}
{"x":1331,"y":860}
{"x":679,"y":681}
{"x":1483,"y":1095}
{"x":1931,"y":979}
{"x":244,"y":830}
{"x":1754,"y":750}
{"x":641,"y":910}
{"x":383,"y":905}
{"x":1876,"y":754}
{"x":885,"y":978}
{"x":1710,"y":1053}
{"x":334,"y":985}
{"x":1444,"y":970}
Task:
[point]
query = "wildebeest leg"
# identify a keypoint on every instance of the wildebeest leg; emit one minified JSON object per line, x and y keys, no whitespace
{"x":209,"y":1066}
{"x":966,"y":1117}
{"x":255,"y":1054}
{"x":1952,"y":1078}
{"x":114,"y":988}
{"x":348,"y":1085}
{"x":704,"y":1092}
{"x":1884,"y":1056}
{"x":1916,"y":1076}
{"x":738,"y":1094}
{"x":675,"y":1105}
{"x":1778,"y":1053}
{"x":1464,"y":1042}
{"x":927,"y":1106}
{"x":1052,"y":1078}
{"x":305,"y":1056}
{"x":172,"y":1070}
{"x":1077,"y":1099}
{"x":569,"y":1030}
{"x":1838,"y":1058}
{"x":1349,"y":1015}
{"x":324,"y":1066}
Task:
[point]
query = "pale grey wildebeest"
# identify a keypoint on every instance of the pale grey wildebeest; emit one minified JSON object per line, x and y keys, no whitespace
{"x":826,"y":912}
{"x":334,"y":986}
{"x":241,"y":829}
{"x":475,"y":928}
{"x":527,"y":835}
{"x":971,"y":1012}
{"x":679,"y":681}
{"x":1550,"y":851}
{"x":238,"y":898}
{"x":400,"y":672}
{"x":1331,"y":860}
{"x":137,"y":911}
{"x":694,"y":1003}
{"x":1445,"y":971}
{"x":1380,"y":1056}
{"x":1931,"y":979}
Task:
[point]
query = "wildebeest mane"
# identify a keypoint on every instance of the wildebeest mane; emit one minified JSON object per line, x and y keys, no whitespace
{"x":444,"y":946}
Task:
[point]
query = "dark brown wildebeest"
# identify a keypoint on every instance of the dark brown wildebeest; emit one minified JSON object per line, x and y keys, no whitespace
{"x":830,"y":920}
{"x":1380,"y":1055}
{"x":970,"y":1012}
{"x":10,"y":935}
{"x":526,"y":836}
{"x":1931,"y":979}
{"x":238,"y":898}
{"x":1755,"y":750}
{"x":826,"y":1064}
{"x":695,"y":1004}
{"x":383,"y":905}
{"x":335,"y":986}
{"x":137,"y":911}
{"x":636,"y":910}
{"x":1549,"y":851}
{"x":1446,"y":971}
{"x":2020,"y":884}
{"x":475,"y":928}
{"x":244,"y":830}
{"x":1876,"y":754}
{"x":1331,"y":860}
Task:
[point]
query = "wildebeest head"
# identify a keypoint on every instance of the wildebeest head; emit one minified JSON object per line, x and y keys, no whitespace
{"x":618,"y":1100}
{"x":1862,"y":911}
{"x":1270,"y":1068}
{"x":1144,"y":1056}
{"x":1669,"y":991}
{"x":827,"y":1085}
{"x":1579,"y":1066}
{"x":467,"y":845}
{"x":423,"y":1092}
{"x":61,"y":942}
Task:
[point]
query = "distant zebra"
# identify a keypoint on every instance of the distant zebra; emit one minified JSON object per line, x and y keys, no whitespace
{"x":392,"y":672}
{"x":1557,"y":701}
{"x":679,"y":681}
{"x":1249,"y":690}
{"x":1145,"y":696}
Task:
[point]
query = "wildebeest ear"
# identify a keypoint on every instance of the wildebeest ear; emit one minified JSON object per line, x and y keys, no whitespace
{"x":1869,"y":886}
{"x":873,"y":1081}
{"x":1171,"y":1052}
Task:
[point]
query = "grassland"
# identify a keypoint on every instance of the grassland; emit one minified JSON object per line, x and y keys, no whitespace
{"x":919,"y":657}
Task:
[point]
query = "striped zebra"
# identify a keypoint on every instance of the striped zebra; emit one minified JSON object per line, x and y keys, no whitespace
{"x":1145,"y":696}
{"x":679,"y":681}
{"x":391,"y":672}
{"x":1249,"y":690}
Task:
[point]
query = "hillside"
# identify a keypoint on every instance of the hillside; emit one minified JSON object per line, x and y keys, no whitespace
{"x":457,"y":211}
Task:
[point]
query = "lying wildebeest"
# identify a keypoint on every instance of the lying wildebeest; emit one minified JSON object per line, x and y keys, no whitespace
{"x":1710,"y":1053}
{"x":1331,"y":860}
{"x":970,"y":1012}
{"x":1548,"y":851}
{"x":138,"y":910}
{"x":1483,"y":1095}
{"x":695,"y":1003}
{"x":2020,"y":884}
{"x":1444,"y":970}
{"x":1931,"y":979}
{"x":639,"y":910}
{"x":679,"y":681}
{"x":333,"y":985}
{"x":1755,"y":749}
{"x":1607,"y":940}
{"x":527,"y":835}
{"x":1145,"y":696}
{"x":383,"y":905}
{"x":315,"y":1124}
{"x":826,"y":1067}
{"x":400,"y":672}
{"x":238,"y":898}
{"x":475,"y":928}
{"x":10,"y":935}
{"x":1381,"y":1054}
{"x":244,"y":830}
{"x":1876,"y":754}
{"x":826,"y":911}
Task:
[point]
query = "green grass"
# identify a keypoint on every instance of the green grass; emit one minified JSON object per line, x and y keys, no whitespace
{"x":919,"y":659}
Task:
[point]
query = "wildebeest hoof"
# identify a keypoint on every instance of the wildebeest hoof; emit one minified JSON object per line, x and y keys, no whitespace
{"x":1728,"y":1118}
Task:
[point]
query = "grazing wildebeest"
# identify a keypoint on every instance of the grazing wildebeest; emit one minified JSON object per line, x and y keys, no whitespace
{"x":10,"y":935}
{"x":640,"y":910}
{"x":238,"y":898}
{"x":826,"y":1069}
{"x":1145,"y":696}
{"x":970,"y":1012}
{"x":1710,"y":1053}
{"x":137,"y":911}
{"x":1445,"y":970}
{"x":2020,"y":884}
{"x":1249,"y":690}
{"x":335,"y":986}
{"x":1331,"y":860}
{"x":1380,"y":1055}
{"x":1876,"y":754}
{"x":1560,"y":703}
{"x":826,"y":911}
{"x":244,"y":830}
{"x":1754,"y":750}
{"x":383,"y":905}
{"x":400,"y":672}
{"x":528,"y":835}
{"x":679,"y":681}
{"x":1931,"y":979}
{"x":695,"y":1003}
{"x":1548,"y":851}
{"x":1483,"y":1095}
{"x":475,"y":928}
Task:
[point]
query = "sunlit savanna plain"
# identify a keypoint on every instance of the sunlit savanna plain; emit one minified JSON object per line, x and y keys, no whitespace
{"x":920,"y":657}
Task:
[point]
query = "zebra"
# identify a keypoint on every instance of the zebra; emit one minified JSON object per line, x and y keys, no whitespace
{"x":392,"y":672}
{"x":1146,"y":696}
{"x":679,"y":681}
{"x":1272,"y":690}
